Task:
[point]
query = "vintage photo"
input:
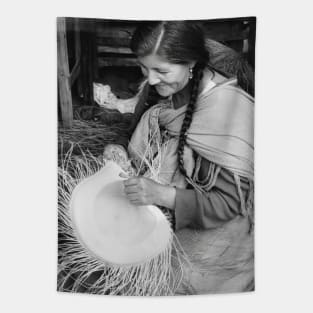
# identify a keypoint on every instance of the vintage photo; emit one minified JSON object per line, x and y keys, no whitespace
{"x":155,"y":156}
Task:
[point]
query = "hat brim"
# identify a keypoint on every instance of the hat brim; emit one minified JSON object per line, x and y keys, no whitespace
{"x":110,"y":227}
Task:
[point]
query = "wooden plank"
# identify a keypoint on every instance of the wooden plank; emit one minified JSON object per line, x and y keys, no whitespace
{"x":108,"y":49}
{"x":113,"y":42}
{"x":102,"y":22}
{"x":251,"y":42}
{"x":84,"y":67}
{"x":78,"y":54}
{"x":75,"y":72}
{"x":89,"y":63}
{"x":93,"y":60}
{"x":226,"y":31}
{"x":64,"y":75}
{"x":114,"y":30}
{"x":116,"y":55}
{"x":103,"y":61}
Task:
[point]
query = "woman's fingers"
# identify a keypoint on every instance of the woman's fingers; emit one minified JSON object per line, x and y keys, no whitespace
{"x":131,"y":189}
{"x":139,"y":190}
{"x":133,"y":181}
{"x":135,"y":199}
{"x":123,"y":175}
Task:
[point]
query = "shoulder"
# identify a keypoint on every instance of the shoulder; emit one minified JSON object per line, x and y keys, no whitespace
{"x":224,"y":93}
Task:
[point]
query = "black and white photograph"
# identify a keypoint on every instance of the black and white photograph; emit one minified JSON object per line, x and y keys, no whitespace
{"x":156,"y":156}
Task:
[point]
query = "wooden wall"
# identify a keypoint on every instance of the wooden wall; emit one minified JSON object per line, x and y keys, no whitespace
{"x":112,"y":37}
{"x":94,"y":45}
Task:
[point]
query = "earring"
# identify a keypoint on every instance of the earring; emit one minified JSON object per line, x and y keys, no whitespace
{"x":190,"y":73}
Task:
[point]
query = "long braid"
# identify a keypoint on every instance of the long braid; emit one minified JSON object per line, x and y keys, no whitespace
{"x":198,"y":73}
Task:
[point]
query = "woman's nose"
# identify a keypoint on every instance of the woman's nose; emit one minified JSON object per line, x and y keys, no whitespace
{"x":153,"y":78}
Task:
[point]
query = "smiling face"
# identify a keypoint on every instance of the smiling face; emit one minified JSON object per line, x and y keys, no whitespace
{"x":168,"y":78}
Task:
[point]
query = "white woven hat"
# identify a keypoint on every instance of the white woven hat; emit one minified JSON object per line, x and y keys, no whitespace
{"x":110,"y":227}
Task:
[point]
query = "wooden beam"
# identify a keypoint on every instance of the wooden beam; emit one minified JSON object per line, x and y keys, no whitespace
{"x":113,"y":41}
{"x":78,"y":54}
{"x":64,"y":75}
{"x":89,"y":64}
{"x":75,"y":72}
{"x":251,"y":43}
{"x":103,"y":61}
{"x":226,"y":31}
{"x":109,"y":49}
{"x":114,"y":30}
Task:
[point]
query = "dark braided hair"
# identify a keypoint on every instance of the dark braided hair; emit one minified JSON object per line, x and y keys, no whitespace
{"x":198,"y":73}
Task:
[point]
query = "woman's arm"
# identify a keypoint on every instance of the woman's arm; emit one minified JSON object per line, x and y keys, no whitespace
{"x":144,"y":191}
{"x":211,"y":209}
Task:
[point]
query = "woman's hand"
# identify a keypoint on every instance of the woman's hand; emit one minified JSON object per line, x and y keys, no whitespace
{"x":115,"y":152}
{"x":118,"y":154}
{"x":144,"y":191}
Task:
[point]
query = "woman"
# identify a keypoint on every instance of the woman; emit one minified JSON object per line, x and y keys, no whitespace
{"x":201,"y":129}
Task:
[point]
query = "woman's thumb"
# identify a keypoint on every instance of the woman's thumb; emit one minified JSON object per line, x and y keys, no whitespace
{"x":123,"y":175}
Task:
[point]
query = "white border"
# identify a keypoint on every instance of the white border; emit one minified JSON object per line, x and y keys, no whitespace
{"x":283,"y":155}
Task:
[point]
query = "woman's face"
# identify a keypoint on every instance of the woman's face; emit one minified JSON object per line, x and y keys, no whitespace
{"x":168,"y":78}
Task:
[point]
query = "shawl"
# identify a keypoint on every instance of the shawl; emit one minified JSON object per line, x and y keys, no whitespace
{"x":221,"y":131}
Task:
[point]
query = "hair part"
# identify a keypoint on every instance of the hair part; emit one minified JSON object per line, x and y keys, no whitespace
{"x":179,"y":42}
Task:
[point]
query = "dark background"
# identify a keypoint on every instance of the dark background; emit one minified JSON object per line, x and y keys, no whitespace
{"x":96,"y":50}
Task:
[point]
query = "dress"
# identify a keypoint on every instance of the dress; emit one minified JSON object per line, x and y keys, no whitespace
{"x":213,"y":209}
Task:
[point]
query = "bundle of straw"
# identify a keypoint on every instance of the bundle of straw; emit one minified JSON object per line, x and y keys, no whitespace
{"x":88,"y":136}
{"x":81,"y":271}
